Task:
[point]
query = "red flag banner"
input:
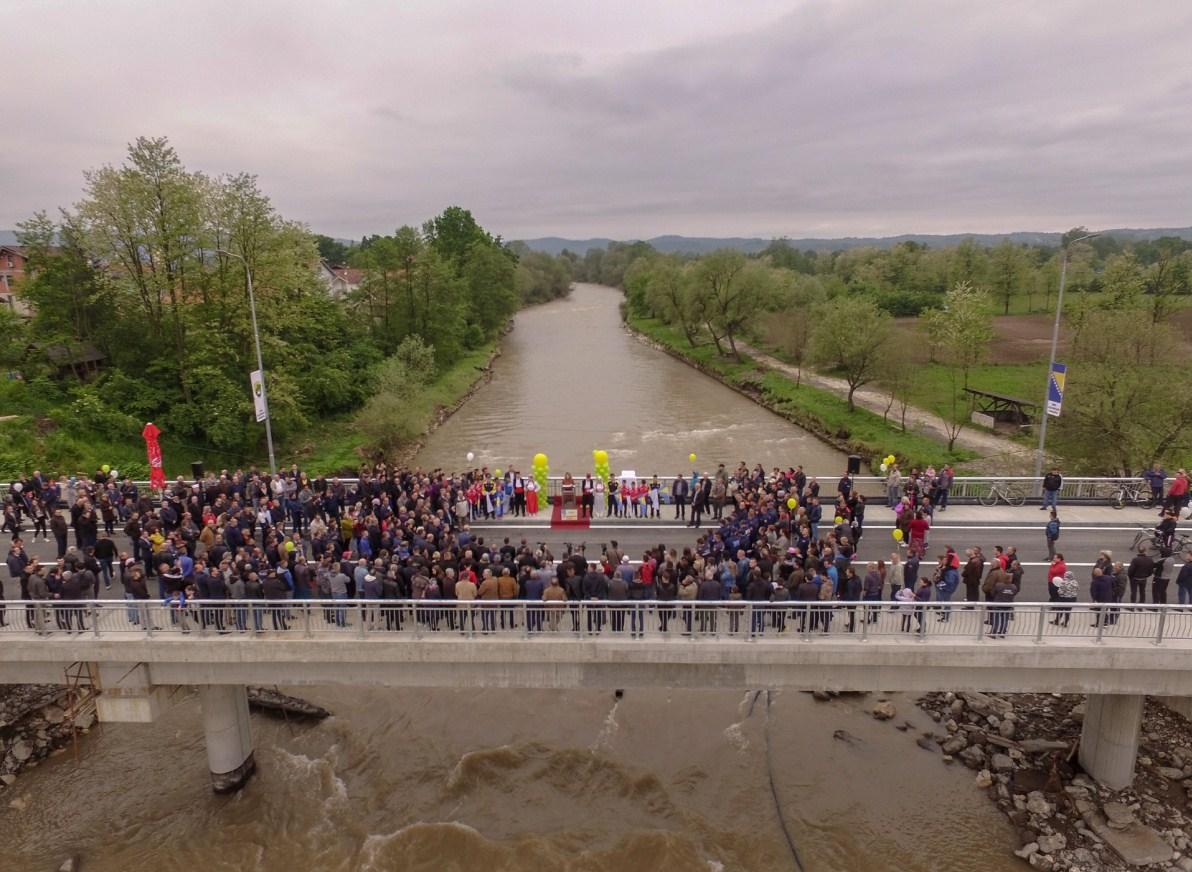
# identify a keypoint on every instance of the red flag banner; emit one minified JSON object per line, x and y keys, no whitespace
{"x":157,"y":475}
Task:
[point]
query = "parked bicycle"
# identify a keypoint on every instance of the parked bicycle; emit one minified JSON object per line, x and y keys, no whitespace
{"x":1011,"y":493}
{"x":1134,"y":493}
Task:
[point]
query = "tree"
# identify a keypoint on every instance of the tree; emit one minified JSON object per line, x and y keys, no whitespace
{"x":1127,"y":402}
{"x":961,"y":331}
{"x":798,"y":300}
{"x":733,"y":290}
{"x":850,"y":336}
{"x":1007,"y":272}
{"x":332,"y":250}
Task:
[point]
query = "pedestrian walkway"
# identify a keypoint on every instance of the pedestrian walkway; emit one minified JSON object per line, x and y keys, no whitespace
{"x":1001,"y":453}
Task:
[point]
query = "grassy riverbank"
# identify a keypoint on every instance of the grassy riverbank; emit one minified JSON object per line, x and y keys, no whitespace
{"x":820,"y":412}
{"x":54,"y":436}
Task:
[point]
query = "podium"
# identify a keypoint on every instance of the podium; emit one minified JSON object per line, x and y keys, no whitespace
{"x":568,"y":509}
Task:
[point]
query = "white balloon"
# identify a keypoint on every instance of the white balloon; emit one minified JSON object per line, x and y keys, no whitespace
{"x":18,"y":487}
{"x":1186,"y":512}
{"x":471,"y":457}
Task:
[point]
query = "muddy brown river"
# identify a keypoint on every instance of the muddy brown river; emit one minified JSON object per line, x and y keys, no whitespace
{"x":492,"y":780}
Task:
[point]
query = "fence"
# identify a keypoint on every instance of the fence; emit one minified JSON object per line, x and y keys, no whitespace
{"x":965,"y":489}
{"x":1044,"y":623}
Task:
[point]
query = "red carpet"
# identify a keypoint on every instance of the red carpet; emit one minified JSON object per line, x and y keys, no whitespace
{"x":557,"y":522}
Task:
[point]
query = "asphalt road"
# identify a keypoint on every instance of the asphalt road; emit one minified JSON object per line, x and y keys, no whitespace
{"x":1085,"y":533}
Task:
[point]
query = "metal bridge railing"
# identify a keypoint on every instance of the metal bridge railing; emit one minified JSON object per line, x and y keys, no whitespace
{"x":965,"y":489}
{"x":796,"y":622}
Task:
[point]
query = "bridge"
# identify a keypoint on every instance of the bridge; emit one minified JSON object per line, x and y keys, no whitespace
{"x":139,"y":652}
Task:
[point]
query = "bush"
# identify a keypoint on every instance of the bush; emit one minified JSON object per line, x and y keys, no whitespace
{"x":906,"y":304}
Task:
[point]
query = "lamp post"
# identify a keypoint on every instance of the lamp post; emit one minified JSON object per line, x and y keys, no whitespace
{"x":1055,"y":338}
{"x":256,"y":335}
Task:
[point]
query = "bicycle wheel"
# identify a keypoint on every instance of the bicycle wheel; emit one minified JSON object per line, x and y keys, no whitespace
{"x":990,"y":497}
{"x":1015,"y":495}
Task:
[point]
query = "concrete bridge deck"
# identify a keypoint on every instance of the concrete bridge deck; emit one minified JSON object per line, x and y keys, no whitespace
{"x":139,"y":656}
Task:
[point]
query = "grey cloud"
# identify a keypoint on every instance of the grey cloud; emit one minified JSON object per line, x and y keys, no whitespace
{"x":828,"y":117}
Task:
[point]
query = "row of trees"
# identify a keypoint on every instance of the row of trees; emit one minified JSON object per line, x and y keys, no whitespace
{"x":149,"y":270}
{"x":1128,"y":372}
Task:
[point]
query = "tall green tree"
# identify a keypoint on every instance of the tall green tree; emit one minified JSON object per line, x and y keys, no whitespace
{"x":851,"y":337}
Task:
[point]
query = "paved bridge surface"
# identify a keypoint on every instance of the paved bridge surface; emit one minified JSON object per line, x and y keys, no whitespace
{"x":141,"y":651}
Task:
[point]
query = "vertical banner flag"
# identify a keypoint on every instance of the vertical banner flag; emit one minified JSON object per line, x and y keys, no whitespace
{"x":257,"y":380}
{"x":157,"y":475}
{"x":1055,"y":388}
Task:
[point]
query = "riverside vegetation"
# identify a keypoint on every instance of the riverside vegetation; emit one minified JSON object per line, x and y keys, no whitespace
{"x":1126,"y":342}
{"x":144,"y":274}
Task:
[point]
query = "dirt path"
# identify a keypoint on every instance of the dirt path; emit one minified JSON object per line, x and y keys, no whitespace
{"x":997,"y":452}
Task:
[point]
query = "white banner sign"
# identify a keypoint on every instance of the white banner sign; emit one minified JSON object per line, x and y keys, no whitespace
{"x":257,"y":380}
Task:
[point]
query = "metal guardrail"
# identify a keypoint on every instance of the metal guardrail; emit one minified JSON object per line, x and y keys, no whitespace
{"x":965,"y":489}
{"x":398,"y":620}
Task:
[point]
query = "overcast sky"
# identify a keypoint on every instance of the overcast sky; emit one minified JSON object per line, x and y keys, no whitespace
{"x":622,"y":118}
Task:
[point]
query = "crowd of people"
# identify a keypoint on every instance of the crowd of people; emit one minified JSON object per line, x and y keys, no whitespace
{"x":400,"y":534}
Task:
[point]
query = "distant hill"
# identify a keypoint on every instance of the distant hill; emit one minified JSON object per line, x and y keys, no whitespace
{"x":752,"y":245}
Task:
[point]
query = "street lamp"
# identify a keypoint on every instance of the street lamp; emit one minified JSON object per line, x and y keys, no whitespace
{"x":256,"y":335}
{"x":1055,"y":338}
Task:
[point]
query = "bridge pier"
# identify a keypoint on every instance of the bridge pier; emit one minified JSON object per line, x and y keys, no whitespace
{"x":229,"y":735}
{"x":1109,"y":737}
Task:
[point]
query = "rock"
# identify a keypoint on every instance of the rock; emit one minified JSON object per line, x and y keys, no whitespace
{"x":984,"y":704}
{"x":21,"y":751}
{"x":53,"y":714}
{"x":821,"y":695}
{"x":984,"y":779}
{"x":8,"y":778}
{"x":1184,"y":863}
{"x":973,"y":757}
{"x":954,"y":745}
{"x":1118,"y":815}
{"x":1006,"y":729}
{"x":885,"y":710}
{"x":951,"y":726}
{"x":845,"y":736}
{"x":1002,"y":763}
{"x":957,"y":707}
{"x":1026,"y":850}
{"x":926,"y":744}
{"x":1077,"y":713}
{"x":17,"y":804}
{"x":1052,"y":842}
{"x":1171,"y":773}
{"x":70,"y":864}
{"x":1036,"y":803}
{"x":1037,"y":746}
{"x":1137,"y":845}
{"x":1043,"y":862}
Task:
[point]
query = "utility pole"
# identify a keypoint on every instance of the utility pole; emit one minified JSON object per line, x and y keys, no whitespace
{"x":256,"y":335}
{"x":1055,"y":338}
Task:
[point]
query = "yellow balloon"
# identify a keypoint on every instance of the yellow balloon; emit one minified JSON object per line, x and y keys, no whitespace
{"x":539,"y":459}
{"x":691,"y":457}
{"x":897,"y":534}
{"x":497,"y":473}
{"x":838,"y":520}
{"x":791,"y":503}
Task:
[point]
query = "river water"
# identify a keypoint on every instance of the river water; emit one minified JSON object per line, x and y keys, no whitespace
{"x":496,"y":780}
{"x":571,"y":379}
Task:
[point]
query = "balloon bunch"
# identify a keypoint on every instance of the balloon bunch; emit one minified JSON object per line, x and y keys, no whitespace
{"x":541,"y":471}
{"x":887,"y":462}
{"x":600,"y":464}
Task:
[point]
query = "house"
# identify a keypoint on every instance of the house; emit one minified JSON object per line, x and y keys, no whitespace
{"x":80,"y":359}
{"x":339,"y":280}
{"x":12,"y":270}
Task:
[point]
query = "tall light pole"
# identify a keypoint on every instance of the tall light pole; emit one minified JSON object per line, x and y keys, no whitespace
{"x":256,"y":335}
{"x":1055,"y":338}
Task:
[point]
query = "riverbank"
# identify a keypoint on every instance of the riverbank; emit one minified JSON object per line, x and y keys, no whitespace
{"x":35,"y":723}
{"x":1023,"y":750}
{"x":339,"y":447}
{"x":820,"y":412}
